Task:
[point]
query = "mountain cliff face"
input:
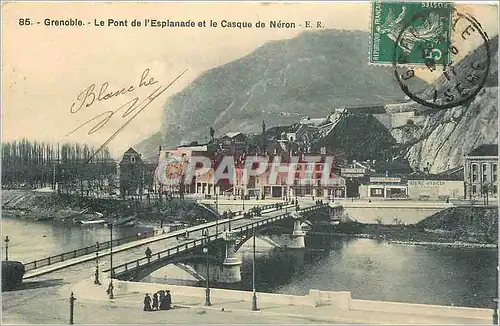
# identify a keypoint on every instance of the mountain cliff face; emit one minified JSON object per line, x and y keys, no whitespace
{"x":314,"y":73}
{"x":279,"y":83}
{"x":440,"y":139}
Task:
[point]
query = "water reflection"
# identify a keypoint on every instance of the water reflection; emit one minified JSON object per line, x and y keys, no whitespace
{"x":30,"y":240}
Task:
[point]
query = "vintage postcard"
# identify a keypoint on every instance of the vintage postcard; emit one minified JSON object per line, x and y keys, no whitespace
{"x":250,"y":162}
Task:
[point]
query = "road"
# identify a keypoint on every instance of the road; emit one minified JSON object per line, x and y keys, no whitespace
{"x":86,"y":264}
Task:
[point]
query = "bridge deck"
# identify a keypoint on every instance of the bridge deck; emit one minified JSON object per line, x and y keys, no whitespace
{"x":176,"y":249}
{"x":135,"y":250}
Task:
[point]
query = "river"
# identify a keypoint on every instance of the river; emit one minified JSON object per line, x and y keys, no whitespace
{"x":369,"y":269}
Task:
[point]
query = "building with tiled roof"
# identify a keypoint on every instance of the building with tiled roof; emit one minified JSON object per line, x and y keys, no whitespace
{"x":481,"y":172}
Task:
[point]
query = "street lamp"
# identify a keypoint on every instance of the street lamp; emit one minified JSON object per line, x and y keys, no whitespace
{"x":495,"y":311}
{"x":217,"y":213}
{"x":254,"y":298}
{"x":7,"y":248}
{"x":495,"y":299}
{"x":207,"y":290}
{"x":111,"y":296}
{"x":96,"y":280}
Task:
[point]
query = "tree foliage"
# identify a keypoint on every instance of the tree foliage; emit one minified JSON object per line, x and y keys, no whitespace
{"x":74,"y":167}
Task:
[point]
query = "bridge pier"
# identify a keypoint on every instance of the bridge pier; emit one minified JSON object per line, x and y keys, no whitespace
{"x":297,"y":238}
{"x":231,"y":267}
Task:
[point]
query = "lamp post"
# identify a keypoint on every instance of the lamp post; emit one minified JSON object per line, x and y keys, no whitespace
{"x":217,"y":212}
{"x":207,"y":290}
{"x":7,"y":248}
{"x":495,"y":311}
{"x":112,"y":272}
{"x":71,"y":308}
{"x":254,"y":298}
{"x":96,"y":280}
{"x":495,"y":299}
{"x":243,"y":200}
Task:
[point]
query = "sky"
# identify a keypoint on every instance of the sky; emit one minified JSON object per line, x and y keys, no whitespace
{"x":45,"y":68}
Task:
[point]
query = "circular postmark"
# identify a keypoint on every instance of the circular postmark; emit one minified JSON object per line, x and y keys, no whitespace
{"x":454,"y":50}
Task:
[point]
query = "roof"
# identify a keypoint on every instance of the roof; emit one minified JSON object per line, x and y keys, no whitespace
{"x":485,"y":150}
{"x":194,"y":148}
{"x":233,"y":134}
{"x":131,"y":152}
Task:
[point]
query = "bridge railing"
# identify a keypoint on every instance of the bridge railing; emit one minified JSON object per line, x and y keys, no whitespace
{"x":189,"y":245}
{"x":180,"y":248}
{"x":103,"y":246}
{"x":86,"y":250}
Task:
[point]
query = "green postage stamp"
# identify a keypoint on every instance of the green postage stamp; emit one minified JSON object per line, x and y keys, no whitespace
{"x":410,"y":32}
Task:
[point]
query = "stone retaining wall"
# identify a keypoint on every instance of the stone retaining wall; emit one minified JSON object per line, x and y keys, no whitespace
{"x":315,"y":298}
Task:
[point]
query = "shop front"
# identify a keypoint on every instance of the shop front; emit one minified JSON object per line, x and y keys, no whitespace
{"x":387,"y":187}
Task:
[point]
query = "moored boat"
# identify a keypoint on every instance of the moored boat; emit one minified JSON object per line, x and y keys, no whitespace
{"x":97,"y":221}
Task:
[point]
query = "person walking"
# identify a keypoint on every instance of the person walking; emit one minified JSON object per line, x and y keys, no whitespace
{"x":148,"y":253}
{"x":147,"y":302}
{"x":155,"y":302}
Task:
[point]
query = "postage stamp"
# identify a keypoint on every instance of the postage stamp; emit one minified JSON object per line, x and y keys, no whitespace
{"x":394,"y":23}
{"x":460,"y":63}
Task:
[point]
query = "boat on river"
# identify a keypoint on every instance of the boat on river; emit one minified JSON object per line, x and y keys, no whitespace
{"x":127,"y":221}
{"x":95,"y":221}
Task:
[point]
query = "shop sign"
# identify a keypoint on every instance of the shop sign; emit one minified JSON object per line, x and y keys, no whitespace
{"x":385,"y":179}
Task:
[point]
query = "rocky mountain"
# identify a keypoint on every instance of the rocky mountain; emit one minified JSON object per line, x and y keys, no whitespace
{"x":316,"y":72}
{"x":279,"y":83}
{"x":359,"y":137}
{"x":440,"y":139}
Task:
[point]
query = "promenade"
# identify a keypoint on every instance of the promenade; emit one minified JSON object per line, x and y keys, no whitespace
{"x":93,"y":306}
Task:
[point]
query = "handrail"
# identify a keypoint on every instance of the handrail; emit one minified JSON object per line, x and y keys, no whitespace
{"x":38,"y":263}
{"x":204,"y":240}
{"x":169,"y":251}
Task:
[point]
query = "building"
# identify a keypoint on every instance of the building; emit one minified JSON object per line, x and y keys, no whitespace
{"x":384,"y":187}
{"x":205,"y":183}
{"x":301,"y":134}
{"x":172,"y":167}
{"x":481,"y":172}
{"x":435,"y":187}
{"x":132,"y":170}
{"x":233,"y":140}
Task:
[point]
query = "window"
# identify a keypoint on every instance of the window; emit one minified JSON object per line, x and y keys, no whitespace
{"x":378,"y":191}
{"x":484,"y":172}
{"x":132,"y":159}
{"x":474,"y":190}
{"x":494,"y":176}
{"x":474,"y":172}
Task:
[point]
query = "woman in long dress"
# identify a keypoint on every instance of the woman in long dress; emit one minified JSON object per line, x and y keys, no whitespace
{"x":147,"y":302}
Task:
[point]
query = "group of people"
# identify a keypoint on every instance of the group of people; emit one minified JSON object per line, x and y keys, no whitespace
{"x":162,"y":300}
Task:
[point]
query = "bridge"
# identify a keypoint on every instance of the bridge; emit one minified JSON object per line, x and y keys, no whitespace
{"x":124,"y":249}
{"x":220,"y":249}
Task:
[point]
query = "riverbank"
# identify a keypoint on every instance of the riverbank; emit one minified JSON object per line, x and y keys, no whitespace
{"x":32,"y":205}
{"x":474,"y":227}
